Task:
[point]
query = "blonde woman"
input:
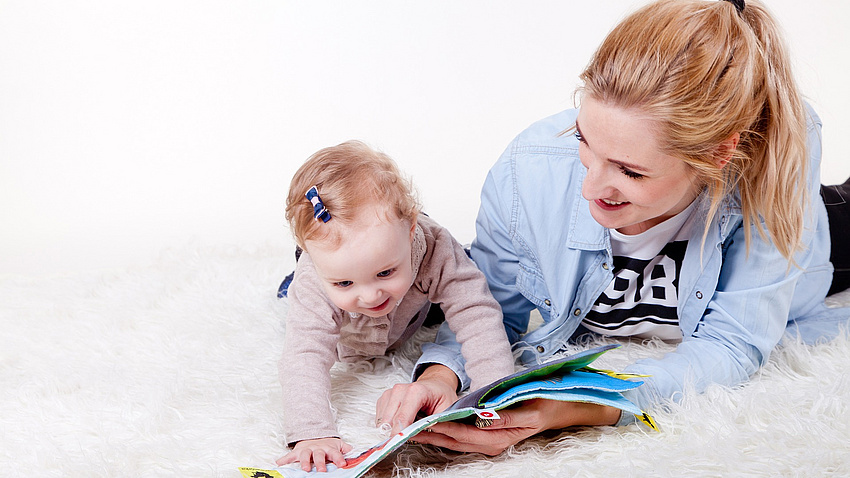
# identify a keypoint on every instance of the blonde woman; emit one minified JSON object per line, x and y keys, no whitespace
{"x":680,"y":201}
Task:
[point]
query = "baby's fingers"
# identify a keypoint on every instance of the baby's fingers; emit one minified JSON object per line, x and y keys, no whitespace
{"x":290,"y":457}
{"x":338,"y":456}
{"x":319,"y":458}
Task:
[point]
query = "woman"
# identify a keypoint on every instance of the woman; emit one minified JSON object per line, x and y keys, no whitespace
{"x":681,"y":201}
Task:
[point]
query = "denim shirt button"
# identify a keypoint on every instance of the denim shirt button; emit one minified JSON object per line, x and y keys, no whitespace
{"x":605,"y":265}
{"x":541,"y":349}
{"x":699,"y":295}
{"x":577,"y":312}
{"x":547,"y":302}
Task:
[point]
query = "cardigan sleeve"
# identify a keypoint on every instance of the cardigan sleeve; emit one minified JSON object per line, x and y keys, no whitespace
{"x":452,"y":280}
{"x":309,"y":352}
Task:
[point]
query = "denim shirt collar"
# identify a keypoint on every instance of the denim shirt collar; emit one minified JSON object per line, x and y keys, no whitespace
{"x":585,"y":233}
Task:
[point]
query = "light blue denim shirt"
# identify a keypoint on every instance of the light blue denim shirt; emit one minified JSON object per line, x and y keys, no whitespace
{"x":539,"y":248}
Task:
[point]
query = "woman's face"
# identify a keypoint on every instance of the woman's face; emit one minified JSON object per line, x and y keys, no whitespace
{"x":631,"y":185}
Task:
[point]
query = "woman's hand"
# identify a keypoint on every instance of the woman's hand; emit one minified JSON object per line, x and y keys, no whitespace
{"x":432,"y":392}
{"x":517,"y":424}
{"x":317,"y":451}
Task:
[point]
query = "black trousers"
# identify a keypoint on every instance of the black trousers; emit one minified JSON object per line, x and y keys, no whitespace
{"x":837,"y":200}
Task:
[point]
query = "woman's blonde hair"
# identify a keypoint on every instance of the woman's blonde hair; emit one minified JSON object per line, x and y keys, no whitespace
{"x":703,"y":71}
{"x":348,"y":177}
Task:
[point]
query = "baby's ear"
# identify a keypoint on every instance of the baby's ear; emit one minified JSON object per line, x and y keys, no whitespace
{"x":413,"y":227}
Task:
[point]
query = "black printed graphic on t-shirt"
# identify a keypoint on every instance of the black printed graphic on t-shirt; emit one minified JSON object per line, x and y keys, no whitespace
{"x":642,"y":290}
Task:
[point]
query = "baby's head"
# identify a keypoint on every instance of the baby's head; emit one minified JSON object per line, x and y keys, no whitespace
{"x":361,"y":247}
{"x":348,"y":177}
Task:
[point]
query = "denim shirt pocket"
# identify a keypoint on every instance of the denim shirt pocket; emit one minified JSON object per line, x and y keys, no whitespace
{"x":530,"y":284}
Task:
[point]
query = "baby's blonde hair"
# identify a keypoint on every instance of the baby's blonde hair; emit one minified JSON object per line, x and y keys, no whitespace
{"x":348,"y":177}
{"x":702,"y":71}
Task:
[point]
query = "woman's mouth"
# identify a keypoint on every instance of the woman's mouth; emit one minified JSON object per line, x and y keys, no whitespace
{"x":608,"y":205}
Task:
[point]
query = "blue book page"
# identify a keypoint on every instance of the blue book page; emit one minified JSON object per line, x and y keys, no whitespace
{"x":557,"y":367}
{"x":574,"y":380}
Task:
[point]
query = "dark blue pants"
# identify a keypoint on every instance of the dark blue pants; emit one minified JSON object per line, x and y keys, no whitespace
{"x":837,"y":200}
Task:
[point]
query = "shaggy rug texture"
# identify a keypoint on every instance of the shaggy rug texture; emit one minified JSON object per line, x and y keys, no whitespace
{"x":171,"y":370}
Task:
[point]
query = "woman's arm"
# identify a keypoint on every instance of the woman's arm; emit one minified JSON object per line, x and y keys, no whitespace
{"x":493,"y":249}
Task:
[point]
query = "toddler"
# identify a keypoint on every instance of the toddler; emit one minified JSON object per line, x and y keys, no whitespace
{"x":371,"y":268}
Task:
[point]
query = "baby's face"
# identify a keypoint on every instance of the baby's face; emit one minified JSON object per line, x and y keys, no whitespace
{"x":370,"y":271}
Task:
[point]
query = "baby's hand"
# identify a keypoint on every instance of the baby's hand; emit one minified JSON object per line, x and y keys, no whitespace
{"x":319,"y":451}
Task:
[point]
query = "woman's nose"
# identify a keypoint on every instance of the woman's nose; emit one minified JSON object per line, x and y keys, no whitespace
{"x":596,"y":184}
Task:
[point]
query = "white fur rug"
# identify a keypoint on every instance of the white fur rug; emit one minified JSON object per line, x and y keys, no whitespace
{"x":171,"y":370}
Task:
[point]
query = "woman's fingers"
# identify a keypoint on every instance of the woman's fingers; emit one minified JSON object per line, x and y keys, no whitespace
{"x":467,"y":438}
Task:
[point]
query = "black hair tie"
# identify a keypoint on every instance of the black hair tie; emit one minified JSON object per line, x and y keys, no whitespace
{"x":739,"y":4}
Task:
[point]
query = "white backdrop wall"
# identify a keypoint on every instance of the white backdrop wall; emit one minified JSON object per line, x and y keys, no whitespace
{"x":128,"y":127}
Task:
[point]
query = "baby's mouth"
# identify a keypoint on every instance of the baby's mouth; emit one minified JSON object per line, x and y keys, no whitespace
{"x":381,"y":306}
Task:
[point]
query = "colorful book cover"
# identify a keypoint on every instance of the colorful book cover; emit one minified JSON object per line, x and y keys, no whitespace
{"x":567,"y":379}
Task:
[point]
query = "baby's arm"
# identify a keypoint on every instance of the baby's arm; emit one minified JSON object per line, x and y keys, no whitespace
{"x":319,"y":451}
{"x":456,"y":283}
{"x":309,"y":351}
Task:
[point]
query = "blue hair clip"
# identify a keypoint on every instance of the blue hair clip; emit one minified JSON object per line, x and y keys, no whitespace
{"x":319,"y":210}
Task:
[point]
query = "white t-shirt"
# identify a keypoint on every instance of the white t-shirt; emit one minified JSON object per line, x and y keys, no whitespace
{"x":641,"y":301}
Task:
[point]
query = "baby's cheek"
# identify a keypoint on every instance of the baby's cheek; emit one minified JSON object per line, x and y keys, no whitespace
{"x":402,"y":285}
{"x":338,"y":298}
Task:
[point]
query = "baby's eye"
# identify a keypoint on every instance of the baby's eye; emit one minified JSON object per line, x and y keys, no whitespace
{"x":628,"y":172}
{"x":343,"y":284}
{"x":386,"y":273}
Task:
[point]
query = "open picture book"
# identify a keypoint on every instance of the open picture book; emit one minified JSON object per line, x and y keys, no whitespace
{"x":569,"y":379}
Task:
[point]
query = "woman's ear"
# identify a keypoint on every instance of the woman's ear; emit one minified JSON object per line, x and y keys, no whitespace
{"x":726,"y":149}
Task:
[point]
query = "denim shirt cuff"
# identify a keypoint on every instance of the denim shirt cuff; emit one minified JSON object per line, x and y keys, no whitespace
{"x":434,"y":354}
{"x":626,"y":419}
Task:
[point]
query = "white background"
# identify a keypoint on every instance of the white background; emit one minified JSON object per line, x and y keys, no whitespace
{"x":128,"y":127}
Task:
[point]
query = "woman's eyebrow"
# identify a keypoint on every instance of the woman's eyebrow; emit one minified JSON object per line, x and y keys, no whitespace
{"x":630,"y":166}
{"x":627,"y":165}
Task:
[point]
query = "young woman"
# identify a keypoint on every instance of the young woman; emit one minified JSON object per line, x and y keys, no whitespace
{"x":680,"y":201}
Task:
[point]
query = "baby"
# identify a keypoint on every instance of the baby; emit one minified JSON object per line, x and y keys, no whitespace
{"x":371,"y":268}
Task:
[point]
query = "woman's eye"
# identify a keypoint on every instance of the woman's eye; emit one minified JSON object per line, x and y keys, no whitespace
{"x":578,"y":136}
{"x":386,"y":273}
{"x":343,"y":284}
{"x":628,"y":172}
